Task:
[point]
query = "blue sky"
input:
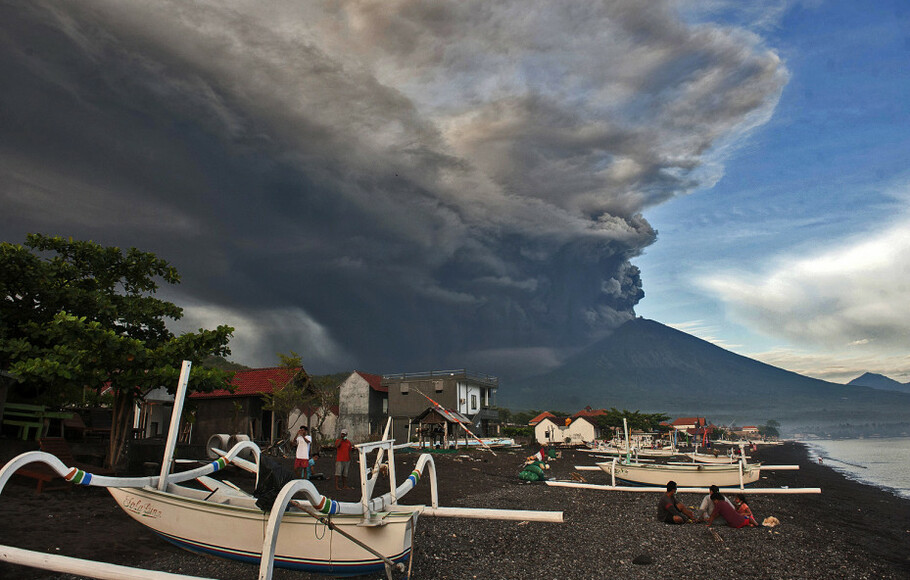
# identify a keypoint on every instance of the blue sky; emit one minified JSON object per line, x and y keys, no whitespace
{"x":825,"y":179}
{"x":402,"y":185}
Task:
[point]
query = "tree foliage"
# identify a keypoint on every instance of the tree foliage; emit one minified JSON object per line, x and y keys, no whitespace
{"x":635,"y":419}
{"x":292,"y":393}
{"x":771,"y":429}
{"x":312,"y":395}
{"x":77,"y":315}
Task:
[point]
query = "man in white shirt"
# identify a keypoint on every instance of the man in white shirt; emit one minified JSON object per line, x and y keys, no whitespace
{"x":706,"y":508}
{"x":302,"y":460}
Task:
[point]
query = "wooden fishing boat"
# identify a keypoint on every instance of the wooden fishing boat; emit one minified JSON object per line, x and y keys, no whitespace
{"x":685,"y":475}
{"x":711,"y":459}
{"x":233,"y":527}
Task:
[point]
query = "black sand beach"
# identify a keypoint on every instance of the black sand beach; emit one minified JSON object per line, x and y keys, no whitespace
{"x":851,"y":530}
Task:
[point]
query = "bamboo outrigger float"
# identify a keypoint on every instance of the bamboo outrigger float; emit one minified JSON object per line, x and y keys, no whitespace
{"x":374,"y":534}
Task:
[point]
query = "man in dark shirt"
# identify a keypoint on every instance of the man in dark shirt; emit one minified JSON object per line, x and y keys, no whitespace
{"x":670,"y":510}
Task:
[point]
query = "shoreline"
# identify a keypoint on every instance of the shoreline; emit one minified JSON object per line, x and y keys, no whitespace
{"x":878,"y":518}
{"x":851,"y":530}
{"x":851,"y":470}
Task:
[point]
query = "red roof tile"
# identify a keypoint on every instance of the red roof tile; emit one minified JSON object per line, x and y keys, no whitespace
{"x":689,"y":421}
{"x":589,"y":412}
{"x":541,"y":417}
{"x":375,"y":382}
{"x":252,"y":382}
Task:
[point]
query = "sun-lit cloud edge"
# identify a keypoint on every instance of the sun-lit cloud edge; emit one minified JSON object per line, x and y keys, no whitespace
{"x":836,"y":367}
{"x":839,"y":311}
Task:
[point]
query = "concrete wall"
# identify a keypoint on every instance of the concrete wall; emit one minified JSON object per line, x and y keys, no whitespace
{"x":230,"y":415}
{"x":354,"y":408}
{"x":329,"y":426}
{"x":579,"y":431}
{"x":405,"y":401}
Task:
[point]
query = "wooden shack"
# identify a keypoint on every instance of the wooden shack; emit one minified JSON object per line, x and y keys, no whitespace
{"x":437,"y":427}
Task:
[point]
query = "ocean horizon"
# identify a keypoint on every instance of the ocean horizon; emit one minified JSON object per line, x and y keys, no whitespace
{"x":878,"y":461}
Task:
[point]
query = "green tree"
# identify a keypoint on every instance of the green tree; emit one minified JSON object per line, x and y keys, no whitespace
{"x":290,"y":393}
{"x":315,"y":395}
{"x":635,"y":419}
{"x":77,"y":315}
{"x":770,"y":429}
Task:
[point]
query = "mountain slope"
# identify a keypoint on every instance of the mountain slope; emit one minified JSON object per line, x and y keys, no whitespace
{"x":648,"y":366}
{"x":877,"y":381}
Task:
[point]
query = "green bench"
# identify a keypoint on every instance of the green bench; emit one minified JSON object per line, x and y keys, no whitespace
{"x":28,"y":417}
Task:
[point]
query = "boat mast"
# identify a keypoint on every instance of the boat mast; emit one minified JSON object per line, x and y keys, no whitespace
{"x":174,"y":428}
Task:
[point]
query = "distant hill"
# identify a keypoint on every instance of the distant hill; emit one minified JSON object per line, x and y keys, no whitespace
{"x":651,"y":367}
{"x":877,"y":381}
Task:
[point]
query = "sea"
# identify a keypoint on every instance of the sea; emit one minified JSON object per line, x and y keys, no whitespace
{"x":882,"y":462}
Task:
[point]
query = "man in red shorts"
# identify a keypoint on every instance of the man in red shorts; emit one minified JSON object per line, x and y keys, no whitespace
{"x":302,"y":460}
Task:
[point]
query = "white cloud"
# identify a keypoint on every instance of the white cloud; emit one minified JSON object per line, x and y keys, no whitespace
{"x":855,"y":294}
{"x":704,"y":331}
{"x":838,"y":367}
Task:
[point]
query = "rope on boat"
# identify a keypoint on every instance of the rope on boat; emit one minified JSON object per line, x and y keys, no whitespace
{"x":285,"y":497}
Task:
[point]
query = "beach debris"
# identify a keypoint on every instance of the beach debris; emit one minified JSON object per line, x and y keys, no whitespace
{"x":714,"y":533}
{"x":642,"y":559}
{"x":578,"y":477}
{"x":770,"y":522}
{"x":534,"y":471}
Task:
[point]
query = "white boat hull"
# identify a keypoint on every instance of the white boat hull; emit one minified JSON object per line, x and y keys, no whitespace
{"x":712,"y":459}
{"x":694,"y":475}
{"x":237,"y":533}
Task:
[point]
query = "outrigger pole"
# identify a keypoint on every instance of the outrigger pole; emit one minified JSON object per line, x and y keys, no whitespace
{"x":457,"y":420}
{"x":660,"y":489}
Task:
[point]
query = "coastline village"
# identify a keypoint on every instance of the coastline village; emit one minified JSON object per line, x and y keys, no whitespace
{"x":435,"y":410}
{"x":362,"y":405}
{"x":366,"y":401}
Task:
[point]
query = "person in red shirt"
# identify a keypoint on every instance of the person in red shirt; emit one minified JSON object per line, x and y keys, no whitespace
{"x":343,"y":448}
{"x":723,"y":508}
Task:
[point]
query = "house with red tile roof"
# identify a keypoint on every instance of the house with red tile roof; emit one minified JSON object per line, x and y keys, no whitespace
{"x":686,"y":423}
{"x":363,"y":406}
{"x":590,"y":413}
{"x":238,"y":408}
{"x":540,"y":418}
{"x":566,"y":431}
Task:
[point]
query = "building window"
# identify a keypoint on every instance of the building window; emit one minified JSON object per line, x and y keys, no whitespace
{"x":438,"y":386}
{"x":473,"y":402}
{"x":405,"y":388}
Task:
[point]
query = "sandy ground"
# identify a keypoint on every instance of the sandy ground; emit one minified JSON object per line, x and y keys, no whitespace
{"x":849,"y":531}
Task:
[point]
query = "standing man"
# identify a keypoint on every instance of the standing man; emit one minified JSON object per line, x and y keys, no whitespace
{"x":670,"y":510}
{"x":343,"y":448}
{"x":302,"y":460}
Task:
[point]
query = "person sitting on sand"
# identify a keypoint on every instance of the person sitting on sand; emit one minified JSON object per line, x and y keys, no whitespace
{"x":722,"y":508}
{"x":670,"y":510}
{"x":706,"y":508}
{"x":742,"y":508}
